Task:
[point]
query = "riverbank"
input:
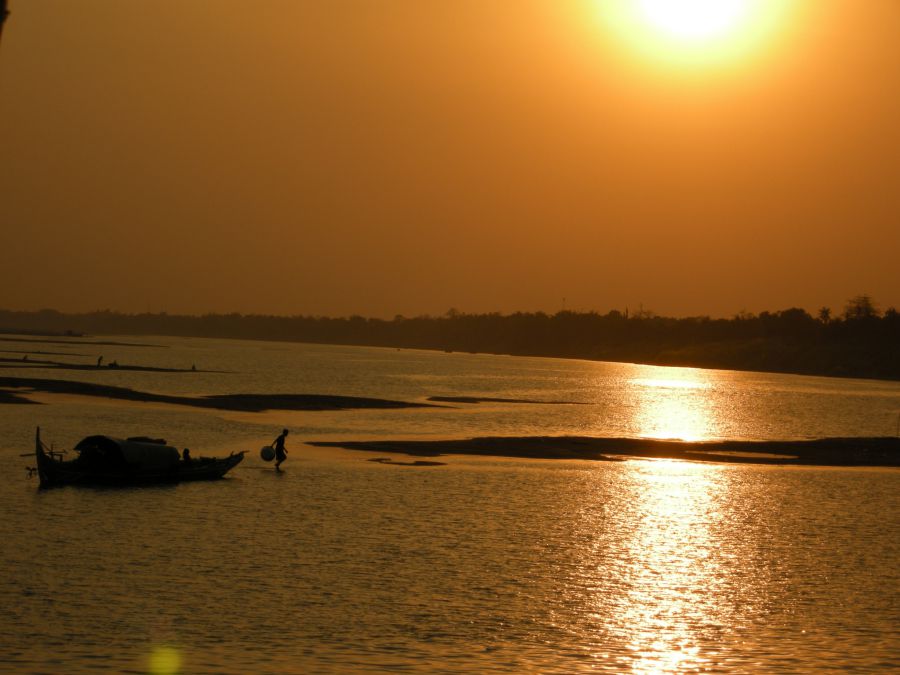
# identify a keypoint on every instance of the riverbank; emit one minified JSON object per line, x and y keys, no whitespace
{"x":860,"y":344}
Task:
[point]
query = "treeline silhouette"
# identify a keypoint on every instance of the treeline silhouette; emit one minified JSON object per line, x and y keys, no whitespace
{"x":860,"y":342}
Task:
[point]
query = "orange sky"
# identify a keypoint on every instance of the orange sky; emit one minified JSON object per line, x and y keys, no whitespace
{"x":399,"y":156}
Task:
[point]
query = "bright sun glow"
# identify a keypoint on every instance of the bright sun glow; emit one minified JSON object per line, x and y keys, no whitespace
{"x":698,"y":35}
{"x":672,"y":403}
{"x":695,"y":19}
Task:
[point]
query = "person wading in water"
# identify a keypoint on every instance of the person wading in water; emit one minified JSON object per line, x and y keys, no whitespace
{"x":280,"y":451}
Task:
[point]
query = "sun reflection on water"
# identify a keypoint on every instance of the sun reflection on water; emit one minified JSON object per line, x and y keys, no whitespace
{"x":675,"y":407}
{"x":668,"y":568}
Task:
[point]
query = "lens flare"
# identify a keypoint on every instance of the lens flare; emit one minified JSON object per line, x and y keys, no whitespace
{"x":165,"y":661}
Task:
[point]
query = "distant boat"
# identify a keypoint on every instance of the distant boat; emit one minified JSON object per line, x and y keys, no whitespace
{"x":104,"y":460}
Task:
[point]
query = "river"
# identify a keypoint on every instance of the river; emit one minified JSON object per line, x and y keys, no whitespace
{"x":480,"y":565}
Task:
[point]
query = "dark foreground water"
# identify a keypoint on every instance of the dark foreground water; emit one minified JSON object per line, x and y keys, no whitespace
{"x":343,"y":565}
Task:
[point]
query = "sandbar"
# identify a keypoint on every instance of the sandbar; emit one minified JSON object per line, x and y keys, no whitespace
{"x":477,"y":399}
{"x":869,"y":451}
{"x":60,"y":365}
{"x":232,"y":402}
{"x":59,"y":341}
{"x":10,"y":398}
{"x":394,"y":462}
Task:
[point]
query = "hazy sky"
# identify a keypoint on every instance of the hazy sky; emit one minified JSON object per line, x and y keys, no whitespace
{"x":401,"y":156}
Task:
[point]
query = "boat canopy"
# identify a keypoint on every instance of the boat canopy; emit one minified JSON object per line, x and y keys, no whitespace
{"x":143,"y":455}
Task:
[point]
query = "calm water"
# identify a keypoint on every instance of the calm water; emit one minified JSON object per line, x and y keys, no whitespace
{"x":487,"y":565}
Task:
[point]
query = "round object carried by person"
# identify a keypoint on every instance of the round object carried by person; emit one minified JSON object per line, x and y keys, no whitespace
{"x":267,"y":452}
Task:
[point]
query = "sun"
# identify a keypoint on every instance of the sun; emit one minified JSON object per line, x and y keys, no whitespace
{"x":699,"y":36}
{"x":695,"y":20}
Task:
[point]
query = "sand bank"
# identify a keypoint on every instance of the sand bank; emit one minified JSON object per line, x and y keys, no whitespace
{"x":819,"y":452}
{"x":234,"y":402}
{"x":476,"y":399}
{"x":60,"y":365}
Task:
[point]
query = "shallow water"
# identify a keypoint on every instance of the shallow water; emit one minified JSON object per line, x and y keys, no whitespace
{"x":482,"y":565}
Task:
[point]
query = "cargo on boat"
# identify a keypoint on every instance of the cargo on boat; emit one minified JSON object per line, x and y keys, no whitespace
{"x":104,"y":460}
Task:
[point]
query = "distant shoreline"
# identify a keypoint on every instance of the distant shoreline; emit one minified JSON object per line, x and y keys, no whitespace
{"x":860,"y":343}
{"x":461,"y":399}
{"x":74,"y":339}
{"x":846,"y":452}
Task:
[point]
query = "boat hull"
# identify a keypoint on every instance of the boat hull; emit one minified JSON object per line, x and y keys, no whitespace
{"x":53,"y":471}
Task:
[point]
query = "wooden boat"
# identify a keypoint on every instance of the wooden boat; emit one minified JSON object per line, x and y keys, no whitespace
{"x":104,"y":460}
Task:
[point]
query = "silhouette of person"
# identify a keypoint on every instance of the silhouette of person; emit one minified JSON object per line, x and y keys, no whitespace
{"x":100,"y":362}
{"x":280,"y":451}
{"x":186,"y":457}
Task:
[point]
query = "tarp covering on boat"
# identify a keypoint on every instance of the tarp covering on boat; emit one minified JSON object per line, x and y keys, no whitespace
{"x":135,"y":454}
